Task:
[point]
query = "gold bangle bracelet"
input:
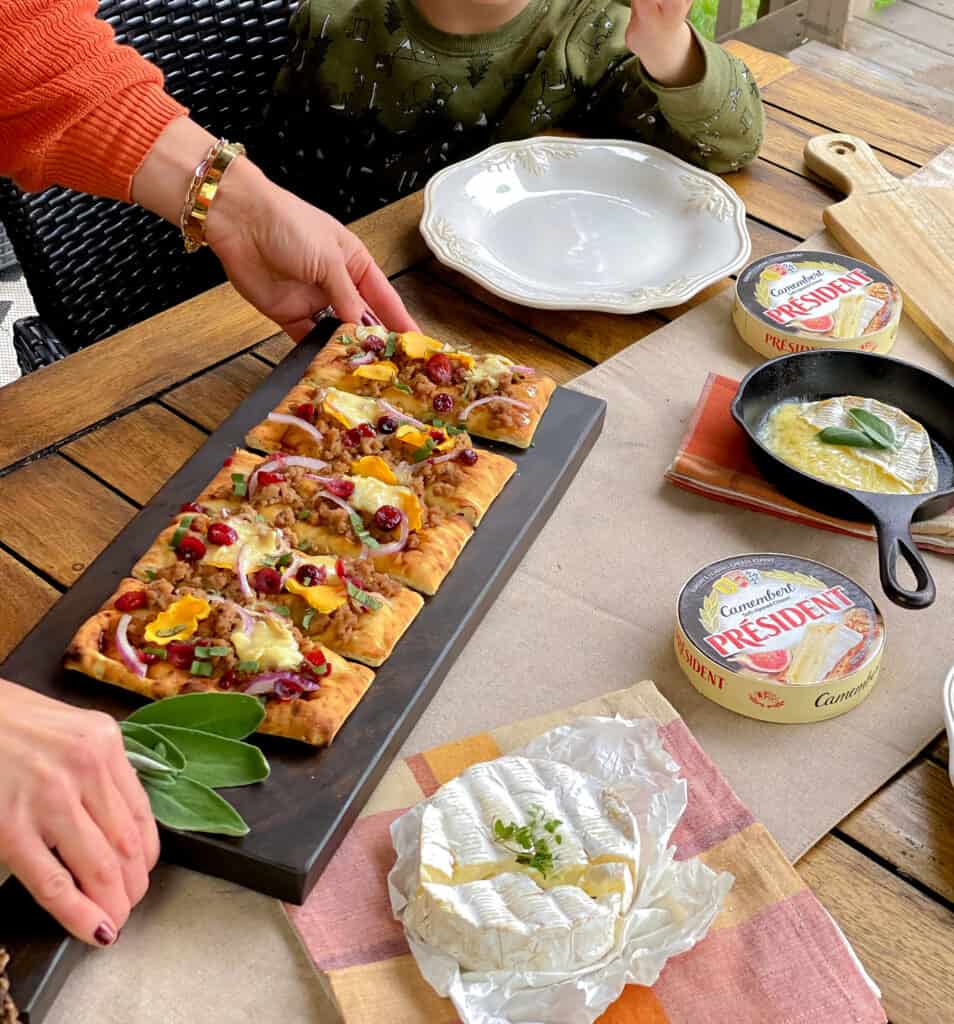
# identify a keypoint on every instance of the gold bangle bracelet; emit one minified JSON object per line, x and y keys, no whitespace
{"x":205,"y":183}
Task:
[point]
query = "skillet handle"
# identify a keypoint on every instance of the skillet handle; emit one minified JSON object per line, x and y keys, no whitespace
{"x":894,"y":542}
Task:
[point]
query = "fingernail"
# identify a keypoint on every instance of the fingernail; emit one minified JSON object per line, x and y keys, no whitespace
{"x":105,"y":934}
{"x":369,"y":319}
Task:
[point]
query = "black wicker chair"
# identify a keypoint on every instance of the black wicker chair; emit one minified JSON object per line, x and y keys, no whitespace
{"x":95,"y":266}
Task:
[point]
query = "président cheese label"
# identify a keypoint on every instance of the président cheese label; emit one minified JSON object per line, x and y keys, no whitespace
{"x":778,"y":638}
{"x":803,"y":300}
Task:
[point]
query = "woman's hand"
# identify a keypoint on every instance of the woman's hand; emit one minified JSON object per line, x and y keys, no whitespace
{"x":289,"y":259}
{"x":659,"y":35}
{"x":66,"y":786}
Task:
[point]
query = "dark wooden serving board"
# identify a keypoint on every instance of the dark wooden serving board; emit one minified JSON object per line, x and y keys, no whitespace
{"x":302,"y":813}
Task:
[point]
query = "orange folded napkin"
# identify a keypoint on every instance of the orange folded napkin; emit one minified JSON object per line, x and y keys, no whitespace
{"x":772,"y":956}
{"x":714,"y":460}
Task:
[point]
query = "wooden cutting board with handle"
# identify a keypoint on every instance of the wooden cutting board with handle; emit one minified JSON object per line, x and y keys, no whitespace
{"x":906,"y":230}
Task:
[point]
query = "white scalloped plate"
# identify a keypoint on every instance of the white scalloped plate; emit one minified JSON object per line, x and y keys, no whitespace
{"x":595,"y":224}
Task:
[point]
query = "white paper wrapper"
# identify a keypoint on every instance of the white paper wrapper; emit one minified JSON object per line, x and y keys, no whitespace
{"x":675,"y":903}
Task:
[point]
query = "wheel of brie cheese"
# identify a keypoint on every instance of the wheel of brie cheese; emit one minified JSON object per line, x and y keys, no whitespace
{"x":492,"y":901}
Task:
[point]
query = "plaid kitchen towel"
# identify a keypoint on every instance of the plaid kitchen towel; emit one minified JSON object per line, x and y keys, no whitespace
{"x":773,"y":956}
{"x":714,"y":460}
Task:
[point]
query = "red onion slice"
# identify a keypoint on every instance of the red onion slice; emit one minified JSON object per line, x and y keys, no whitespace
{"x":283,"y":462}
{"x":393,"y":410}
{"x":241,"y":570}
{"x":248,"y":617}
{"x":362,"y":360}
{"x":492,"y":398}
{"x":292,"y":566}
{"x":341,"y":503}
{"x":266,"y":683}
{"x":396,"y":545}
{"x":297,"y":421}
{"x":127,"y":652}
{"x":437,"y":460}
{"x":524,"y":371}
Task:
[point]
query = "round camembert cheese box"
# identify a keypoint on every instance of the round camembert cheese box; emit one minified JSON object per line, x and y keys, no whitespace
{"x":802,"y":300}
{"x":778,"y":638}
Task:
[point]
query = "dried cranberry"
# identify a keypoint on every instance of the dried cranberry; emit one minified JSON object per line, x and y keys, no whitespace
{"x":228,"y":461}
{"x":366,"y":430}
{"x":442,"y":402}
{"x":438,"y":435}
{"x":146,"y":658}
{"x":221,"y":534}
{"x":388,"y":517}
{"x":190,"y":548}
{"x":192,"y":506}
{"x":316,"y":658}
{"x":180,"y":655}
{"x":340,"y":570}
{"x":131,"y":600}
{"x":387,"y":424}
{"x":372,"y":343}
{"x":267,"y":580}
{"x":352,"y":437}
{"x":230,"y":680}
{"x":318,"y":663}
{"x":306,"y":411}
{"x":340,"y":488}
{"x":440,"y":369}
{"x":266,"y":478}
{"x":287,"y":689}
{"x":309,"y":575}
{"x":467,"y":455}
{"x":356,"y":581}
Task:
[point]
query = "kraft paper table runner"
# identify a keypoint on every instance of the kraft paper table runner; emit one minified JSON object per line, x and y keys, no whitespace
{"x":593,"y":602}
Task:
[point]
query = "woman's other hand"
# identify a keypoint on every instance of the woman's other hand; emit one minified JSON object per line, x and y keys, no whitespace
{"x":66,"y":786}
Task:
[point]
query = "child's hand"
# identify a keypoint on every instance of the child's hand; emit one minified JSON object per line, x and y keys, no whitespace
{"x":659,"y":35}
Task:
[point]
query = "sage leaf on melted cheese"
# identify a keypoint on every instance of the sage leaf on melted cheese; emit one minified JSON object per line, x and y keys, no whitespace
{"x":846,"y":437}
{"x":881,"y":432}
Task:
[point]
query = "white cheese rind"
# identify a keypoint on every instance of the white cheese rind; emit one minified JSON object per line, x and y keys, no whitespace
{"x":477,"y":903}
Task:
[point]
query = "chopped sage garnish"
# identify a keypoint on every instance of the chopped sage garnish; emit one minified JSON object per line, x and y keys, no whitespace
{"x":307,"y":618}
{"x":247,"y":666}
{"x":239,"y":485}
{"x":363,"y":597}
{"x":357,"y":524}
{"x":201,"y":668}
{"x":159,"y":653}
{"x":212,"y":652}
{"x":171,"y":631}
{"x":401,"y":386}
{"x":181,"y":530}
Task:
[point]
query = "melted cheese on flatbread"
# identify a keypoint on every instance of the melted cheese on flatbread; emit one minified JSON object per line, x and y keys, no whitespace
{"x":270,"y":643}
{"x":791,"y":430}
{"x":260,"y":540}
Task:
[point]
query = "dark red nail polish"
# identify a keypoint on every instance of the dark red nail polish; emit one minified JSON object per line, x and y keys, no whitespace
{"x":105,"y":935}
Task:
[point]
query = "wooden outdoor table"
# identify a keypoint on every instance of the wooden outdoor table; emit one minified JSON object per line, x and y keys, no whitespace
{"x":89,"y":440}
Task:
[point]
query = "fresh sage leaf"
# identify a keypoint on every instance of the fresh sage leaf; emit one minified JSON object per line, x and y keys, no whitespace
{"x":216,"y":761}
{"x":154,"y":744}
{"x":880,"y":431}
{"x":847,"y":437}
{"x":191,"y":806}
{"x":233,"y":715}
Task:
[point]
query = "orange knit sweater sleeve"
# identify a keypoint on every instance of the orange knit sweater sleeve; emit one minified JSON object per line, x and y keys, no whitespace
{"x":76,"y":109}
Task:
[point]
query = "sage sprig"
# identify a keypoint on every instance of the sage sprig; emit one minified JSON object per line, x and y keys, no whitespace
{"x":870,"y":431}
{"x":184,"y":748}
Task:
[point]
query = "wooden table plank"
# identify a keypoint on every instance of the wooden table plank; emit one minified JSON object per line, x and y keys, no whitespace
{"x":941,"y":752}
{"x":58,"y":518}
{"x":787,"y":133}
{"x":27,"y":599}
{"x":841,"y":107}
{"x":901,"y":936}
{"x":910,"y":823}
{"x":452,"y":317}
{"x":138,"y":452}
{"x":275,"y":349}
{"x":211,"y":398}
{"x":786,"y":201}
{"x":767,"y":67}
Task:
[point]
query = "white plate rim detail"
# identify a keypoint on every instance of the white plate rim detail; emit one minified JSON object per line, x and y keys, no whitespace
{"x":709,"y":188}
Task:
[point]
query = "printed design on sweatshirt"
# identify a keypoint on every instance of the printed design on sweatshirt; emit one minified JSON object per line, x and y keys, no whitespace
{"x":393,"y":19}
{"x":597,"y":34}
{"x":477,"y":68}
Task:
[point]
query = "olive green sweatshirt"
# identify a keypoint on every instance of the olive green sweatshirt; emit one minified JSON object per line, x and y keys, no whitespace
{"x":374,"y":99}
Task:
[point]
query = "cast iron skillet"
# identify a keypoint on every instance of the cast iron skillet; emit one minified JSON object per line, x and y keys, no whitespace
{"x":826,"y":373}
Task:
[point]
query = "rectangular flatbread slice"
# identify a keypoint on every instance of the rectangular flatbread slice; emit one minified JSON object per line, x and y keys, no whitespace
{"x":490,"y":396}
{"x":322,"y":521}
{"x":363,"y":621}
{"x":314,"y":693}
{"x":346,"y":431}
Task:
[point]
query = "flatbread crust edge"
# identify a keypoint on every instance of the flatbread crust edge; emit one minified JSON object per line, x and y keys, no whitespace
{"x":330,"y":367}
{"x":313,"y":721}
{"x":423,"y":568}
{"x":371,"y":642}
{"x":482,"y":482}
